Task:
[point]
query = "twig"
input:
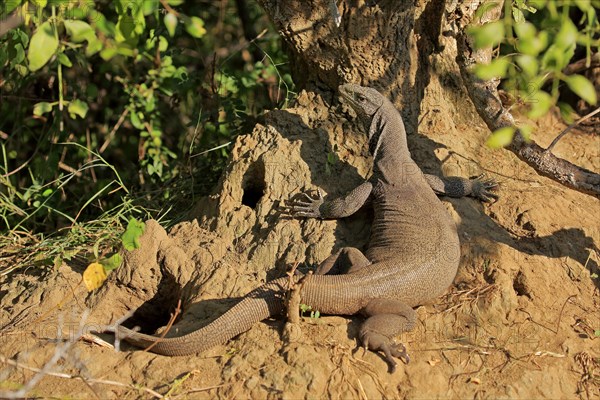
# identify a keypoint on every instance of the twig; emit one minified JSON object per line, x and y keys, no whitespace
{"x":13,"y":21}
{"x":59,"y":353}
{"x":204,"y":389}
{"x":88,"y":337}
{"x":209,"y":150}
{"x":174,"y":316}
{"x":573,"y":125}
{"x":167,"y":7}
{"x":561,"y":312}
{"x":6,"y":394}
{"x":70,"y":169}
{"x":88,"y":138}
{"x":114,"y":130}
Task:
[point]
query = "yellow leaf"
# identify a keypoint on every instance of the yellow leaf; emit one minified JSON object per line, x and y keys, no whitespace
{"x":94,"y":276}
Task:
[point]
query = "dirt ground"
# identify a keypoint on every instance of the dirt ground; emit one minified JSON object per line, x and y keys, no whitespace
{"x":520,"y":320}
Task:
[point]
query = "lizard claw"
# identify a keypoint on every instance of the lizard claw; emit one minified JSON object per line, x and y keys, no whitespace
{"x":484,"y":188}
{"x":307,"y":208}
{"x":377,"y":342}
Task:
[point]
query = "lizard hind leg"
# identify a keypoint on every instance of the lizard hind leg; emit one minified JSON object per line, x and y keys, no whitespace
{"x":343,"y":261}
{"x":386,"y":319}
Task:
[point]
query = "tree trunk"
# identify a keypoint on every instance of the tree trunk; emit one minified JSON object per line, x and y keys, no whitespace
{"x":388,"y":45}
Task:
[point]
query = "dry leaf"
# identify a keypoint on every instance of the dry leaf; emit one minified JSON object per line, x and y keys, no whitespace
{"x":94,"y":276}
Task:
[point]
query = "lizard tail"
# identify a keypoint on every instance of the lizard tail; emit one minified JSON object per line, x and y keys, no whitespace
{"x":261,"y":303}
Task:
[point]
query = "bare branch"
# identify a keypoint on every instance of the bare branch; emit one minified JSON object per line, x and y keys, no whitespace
{"x":573,"y":125}
{"x":13,"y":21}
{"x":44,"y":372}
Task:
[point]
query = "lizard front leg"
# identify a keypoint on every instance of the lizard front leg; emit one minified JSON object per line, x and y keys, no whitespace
{"x":455,"y":186}
{"x":338,"y":208}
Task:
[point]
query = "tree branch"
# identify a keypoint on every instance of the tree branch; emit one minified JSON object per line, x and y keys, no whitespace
{"x":484,"y":96}
{"x":573,"y":125}
{"x":11,"y":22}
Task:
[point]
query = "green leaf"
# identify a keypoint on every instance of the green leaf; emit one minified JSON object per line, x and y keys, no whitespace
{"x":528,"y":63}
{"x":567,"y":35}
{"x":496,"y":69}
{"x":539,"y":103}
{"x":20,"y":54}
{"x":11,"y":5}
{"x":94,"y":46}
{"x":69,"y":254}
{"x":566,"y":112}
{"x":195,"y":27}
{"x":532,"y":45}
{"x":518,"y":15}
{"x":526,"y":131}
{"x":171,"y":23}
{"x":525,"y":30}
{"x":501,"y":137}
{"x":522,"y":5}
{"x":484,"y":8}
{"x":79,"y":31}
{"x":583,"y":5}
{"x":79,"y":108}
{"x":21,"y":36}
{"x":304,"y":308}
{"x":488,"y":34}
{"x":538,"y":4}
{"x":163,"y":44}
{"x":112,"y":263}
{"x":21,"y":69}
{"x":557,"y":58}
{"x":108,"y":52}
{"x":42,"y":108}
{"x":131,"y":236}
{"x":136,"y":120}
{"x":64,"y":60}
{"x":582,"y":88}
{"x":42,"y":47}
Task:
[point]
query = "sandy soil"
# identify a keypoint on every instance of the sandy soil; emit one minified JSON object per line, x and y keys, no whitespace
{"x":519,"y":321}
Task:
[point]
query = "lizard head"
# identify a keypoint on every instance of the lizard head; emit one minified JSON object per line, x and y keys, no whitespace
{"x":365,"y":101}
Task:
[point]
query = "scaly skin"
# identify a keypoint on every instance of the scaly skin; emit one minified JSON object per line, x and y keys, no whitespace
{"x":413,"y":253}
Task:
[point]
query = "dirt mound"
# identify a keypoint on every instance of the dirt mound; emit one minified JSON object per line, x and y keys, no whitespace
{"x":520,"y":320}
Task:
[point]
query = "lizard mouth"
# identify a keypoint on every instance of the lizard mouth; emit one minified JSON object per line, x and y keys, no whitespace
{"x":345,"y":92}
{"x":348,"y":94}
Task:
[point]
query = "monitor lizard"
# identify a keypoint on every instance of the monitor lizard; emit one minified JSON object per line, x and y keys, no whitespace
{"x":412,"y":256}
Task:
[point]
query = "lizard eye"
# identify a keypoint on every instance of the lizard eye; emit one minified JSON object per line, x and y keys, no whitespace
{"x":360,"y":98}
